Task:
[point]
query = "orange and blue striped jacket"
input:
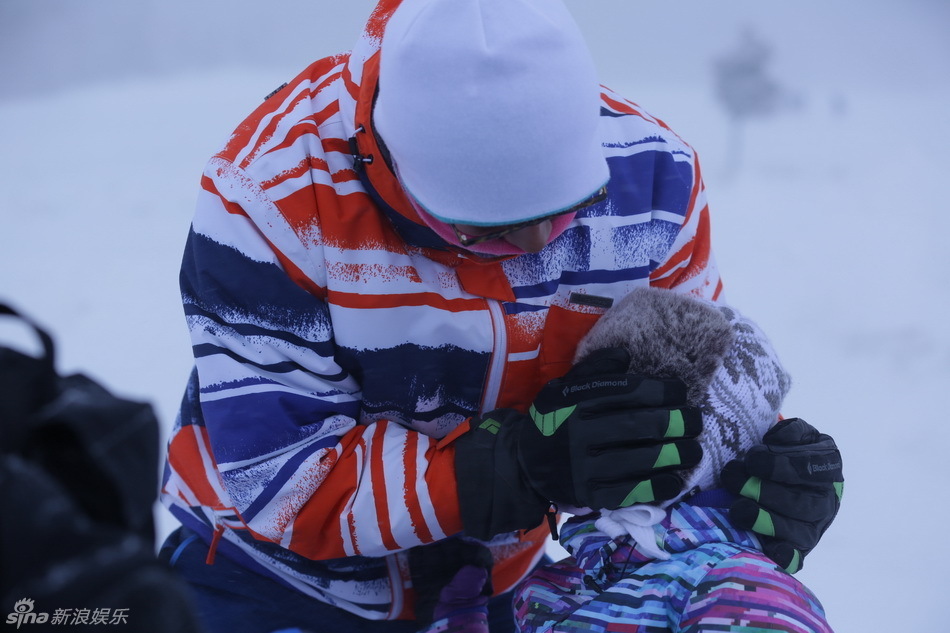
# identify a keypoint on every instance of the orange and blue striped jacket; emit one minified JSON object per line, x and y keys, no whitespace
{"x":340,"y":345}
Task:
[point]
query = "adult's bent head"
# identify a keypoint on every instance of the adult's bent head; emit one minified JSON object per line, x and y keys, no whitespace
{"x":490,"y":109}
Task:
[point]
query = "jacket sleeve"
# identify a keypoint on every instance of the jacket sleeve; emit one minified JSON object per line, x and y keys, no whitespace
{"x":689,"y":266}
{"x":747,"y":592}
{"x":274,"y":436}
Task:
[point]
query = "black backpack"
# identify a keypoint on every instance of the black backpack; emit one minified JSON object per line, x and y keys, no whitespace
{"x":78,"y":482}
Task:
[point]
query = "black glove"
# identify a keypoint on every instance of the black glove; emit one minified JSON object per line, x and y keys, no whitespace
{"x":598,"y":438}
{"x":790,"y":490}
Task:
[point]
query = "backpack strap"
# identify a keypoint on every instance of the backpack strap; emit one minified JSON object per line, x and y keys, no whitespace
{"x":27,"y":383}
{"x":49,"y":354}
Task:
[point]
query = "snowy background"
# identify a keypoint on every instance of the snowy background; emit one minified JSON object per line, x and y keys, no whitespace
{"x":830,"y":216}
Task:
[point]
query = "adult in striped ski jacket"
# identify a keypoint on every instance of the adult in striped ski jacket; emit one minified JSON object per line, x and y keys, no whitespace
{"x":340,"y":338}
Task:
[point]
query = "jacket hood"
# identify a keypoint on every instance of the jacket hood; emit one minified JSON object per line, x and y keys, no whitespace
{"x":361,"y":77}
{"x":371,"y":159}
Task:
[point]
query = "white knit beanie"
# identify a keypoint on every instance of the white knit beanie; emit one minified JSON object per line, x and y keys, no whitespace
{"x":731,"y":370}
{"x":490,"y":109}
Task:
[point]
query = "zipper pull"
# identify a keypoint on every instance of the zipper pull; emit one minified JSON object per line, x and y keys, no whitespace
{"x":212,"y":549}
{"x":591,"y":583}
{"x":551,"y":515}
{"x":359,"y":161}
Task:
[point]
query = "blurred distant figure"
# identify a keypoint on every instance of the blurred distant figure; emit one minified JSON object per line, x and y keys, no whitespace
{"x":746,"y":90}
{"x":743,"y":85}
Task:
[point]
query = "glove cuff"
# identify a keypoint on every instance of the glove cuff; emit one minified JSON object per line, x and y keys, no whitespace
{"x":494,"y":496}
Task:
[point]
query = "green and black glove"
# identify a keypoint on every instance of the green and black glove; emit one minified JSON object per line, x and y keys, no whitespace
{"x":789,"y":490}
{"x":597,"y":437}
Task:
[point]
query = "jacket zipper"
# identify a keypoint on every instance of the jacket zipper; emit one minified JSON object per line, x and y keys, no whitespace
{"x":499,"y":357}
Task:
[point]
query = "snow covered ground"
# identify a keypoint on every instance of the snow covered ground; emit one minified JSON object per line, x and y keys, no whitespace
{"x":832,"y":233}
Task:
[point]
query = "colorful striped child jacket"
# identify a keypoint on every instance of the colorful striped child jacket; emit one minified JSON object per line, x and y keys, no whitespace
{"x":339,"y":342}
{"x":715,"y":579}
